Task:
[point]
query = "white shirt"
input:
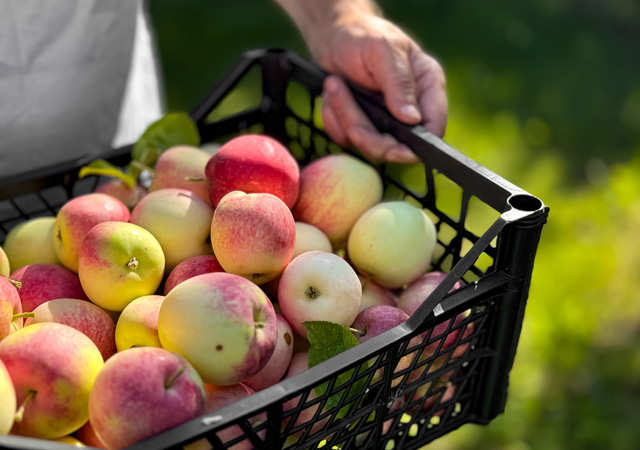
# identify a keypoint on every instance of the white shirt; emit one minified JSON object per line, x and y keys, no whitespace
{"x":77,"y":77}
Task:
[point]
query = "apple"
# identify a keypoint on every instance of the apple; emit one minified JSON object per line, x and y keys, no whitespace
{"x":31,"y":242}
{"x":393,"y":242}
{"x":180,"y":220}
{"x":83,"y":316}
{"x":8,"y":403}
{"x":176,"y":164}
{"x":5,"y":267}
{"x":10,"y":305}
{"x":118,"y":263}
{"x":443,"y":391}
{"x":221,"y":396}
{"x":77,"y":217}
{"x":69,"y":440}
{"x":222,"y":324}
{"x":118,"y":189}
{"x":44,"y":282}
{"x":88,"y":435}
{"x":334,"y":192}
{"x":253,"y":235}
{"x":137,"y":326}
{"x":190,"y":268}
{"x":253,"y":164}
{"x":142,"y":392}
{"x":308,"y":238}
{"x":374,"y":295}
{"x":319,"y":286}
{"x":52,"y":367}
{"x":418,"y":291}
{"x":277,"y":365}
{"x":376,"y":320}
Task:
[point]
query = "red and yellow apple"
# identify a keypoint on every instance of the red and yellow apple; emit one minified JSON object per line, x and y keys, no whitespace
{"x":10,"y":305}
{"x":77,"y":217}
{"x":142,"y":392}
{"x":118,"y":263}
{"x":334,"y":192}
{"x":176,"y":165}
{"x":190,"y":268}
{"x":222,"y":324}
{"x":118,"y":189}
{"x":253,"y":235}
{"x":84,"y":316}
{"x":52,"y":367}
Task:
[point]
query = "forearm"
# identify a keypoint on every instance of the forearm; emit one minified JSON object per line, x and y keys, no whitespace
{"x":315,"y":17}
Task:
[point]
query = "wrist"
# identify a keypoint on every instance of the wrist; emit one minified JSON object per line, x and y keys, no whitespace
{"x":318,"y":19}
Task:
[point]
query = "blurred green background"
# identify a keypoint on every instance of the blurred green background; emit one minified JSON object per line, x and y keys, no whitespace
{"x":545,"y":93}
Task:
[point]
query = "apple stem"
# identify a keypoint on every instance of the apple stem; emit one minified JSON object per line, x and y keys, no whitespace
{"x":197,"y":180}
{"x":360,"y":332}
{"x":312,"y":293}
{"x":142,"y":166}
{"x":133,"y":263}
{"x":17,"y":284}
{"x":21,"y":315}
{"x":173,"y":378}
{"x":20,"y":412}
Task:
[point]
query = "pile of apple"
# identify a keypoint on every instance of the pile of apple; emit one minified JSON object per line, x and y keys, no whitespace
{"x":135,"y":310}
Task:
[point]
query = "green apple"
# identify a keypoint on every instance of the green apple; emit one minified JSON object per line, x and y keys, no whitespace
{"x":31,"y":242}
{"x":392,"y":242}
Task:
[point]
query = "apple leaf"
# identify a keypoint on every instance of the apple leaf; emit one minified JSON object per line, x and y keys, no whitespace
{"x":327,"y":340}
{"x":172,"y":129}
{"x":102,"y":167}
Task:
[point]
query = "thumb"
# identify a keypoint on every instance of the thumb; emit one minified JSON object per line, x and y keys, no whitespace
{"x":397,"y":83}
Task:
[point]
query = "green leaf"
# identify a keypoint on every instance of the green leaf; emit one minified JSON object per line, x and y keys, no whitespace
{"x":102,"y":167}
{"x":327,"y":340}
{"x":172,"y":129}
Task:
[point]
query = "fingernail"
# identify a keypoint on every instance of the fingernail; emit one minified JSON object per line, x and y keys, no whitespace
{"x":411,"y":113}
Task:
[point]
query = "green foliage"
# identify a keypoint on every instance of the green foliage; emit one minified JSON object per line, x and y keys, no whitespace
{"x":327,"y":340}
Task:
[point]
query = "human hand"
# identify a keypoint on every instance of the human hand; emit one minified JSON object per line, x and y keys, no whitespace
{"x":374,"y":53}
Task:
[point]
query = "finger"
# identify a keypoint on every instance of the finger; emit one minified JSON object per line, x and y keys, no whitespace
{"x":400,"y":153}
{"x":332,"y":126}
{"x":393,"y":71}
{"x":372,"y":143}
{"x":350,"y":117}
{"x":432,"y":92}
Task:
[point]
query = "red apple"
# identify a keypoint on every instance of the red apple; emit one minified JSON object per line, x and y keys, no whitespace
{"x":88,"y":436}
{"x":374,"y":295}
{"x":190,"y":268}
{"x":83,"y":316}
{"x":44,"y":282}
{"x":253,"y":235}
{"x":253,"y":164}
{"x":142,"y":392}
{"x":77,"y":217}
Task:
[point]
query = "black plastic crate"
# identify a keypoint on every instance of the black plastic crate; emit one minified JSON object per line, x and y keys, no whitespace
{"x":488,"y":232}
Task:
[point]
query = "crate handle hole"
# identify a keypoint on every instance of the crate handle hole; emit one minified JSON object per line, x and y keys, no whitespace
{"x":525,"y":202}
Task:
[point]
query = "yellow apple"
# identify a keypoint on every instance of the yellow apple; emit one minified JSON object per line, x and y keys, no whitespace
{"x":118,"y":263}
{"x":138,"y":324}
{"x":31,"y":242}
{"x":8,"y":403}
